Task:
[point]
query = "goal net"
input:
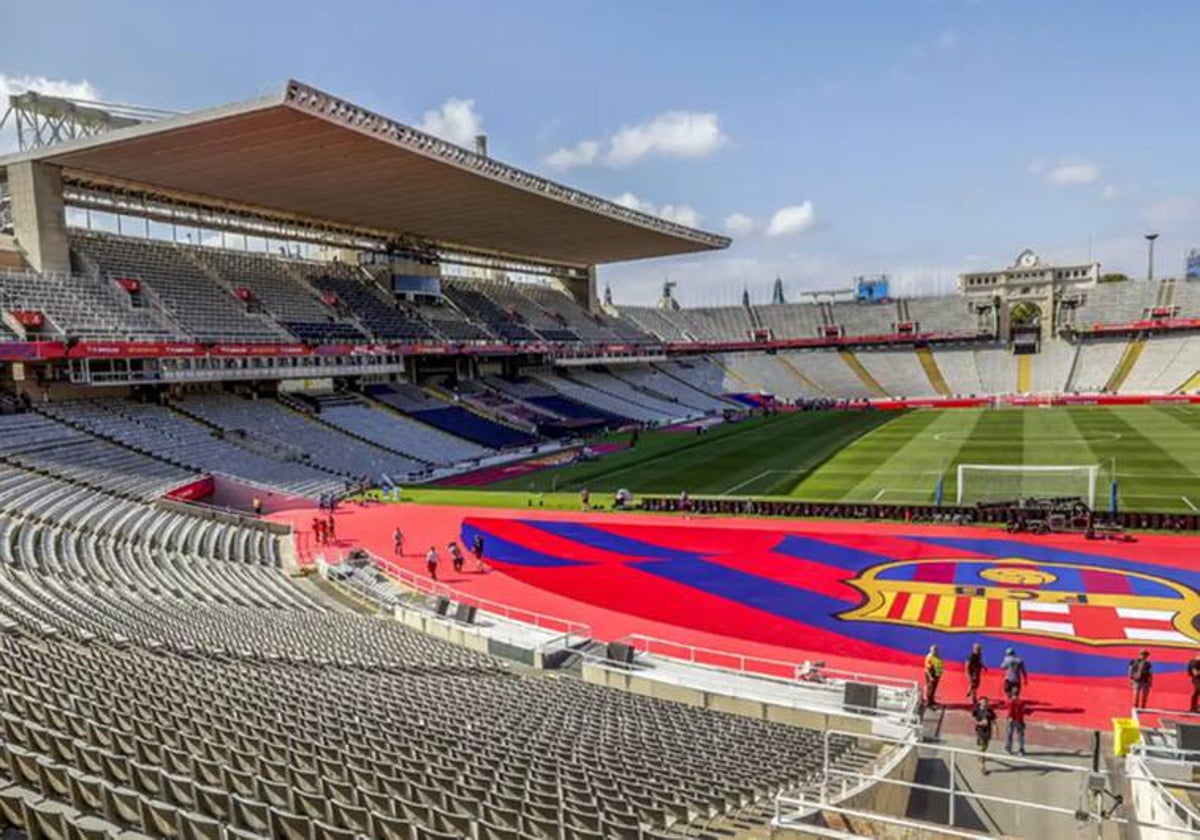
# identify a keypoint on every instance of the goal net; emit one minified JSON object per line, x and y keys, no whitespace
{"x":1000,"y":482}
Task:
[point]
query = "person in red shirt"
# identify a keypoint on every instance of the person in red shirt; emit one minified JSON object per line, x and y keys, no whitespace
{"x":1017,"y":710}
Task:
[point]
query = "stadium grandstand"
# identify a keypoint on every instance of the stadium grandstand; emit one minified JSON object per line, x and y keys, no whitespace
{"x":336,"y":503}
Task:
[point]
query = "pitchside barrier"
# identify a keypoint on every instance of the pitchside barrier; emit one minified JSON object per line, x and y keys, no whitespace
{"x":951,"y":514}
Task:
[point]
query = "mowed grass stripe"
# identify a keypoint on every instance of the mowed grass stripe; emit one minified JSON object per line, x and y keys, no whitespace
{"x":848,"y":468}
{"x":1150,"y":477}
{"x":997,"y":438}
{"x":910,"y":475}
{"x":822,"y":443}
{"x":667,"y":462}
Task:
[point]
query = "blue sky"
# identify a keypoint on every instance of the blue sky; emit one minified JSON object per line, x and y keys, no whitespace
{"x":915,"y":138}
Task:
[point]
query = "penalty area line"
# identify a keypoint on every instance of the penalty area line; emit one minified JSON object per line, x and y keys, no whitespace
{"x":1188,"y":502}
{"x":879,"y":495}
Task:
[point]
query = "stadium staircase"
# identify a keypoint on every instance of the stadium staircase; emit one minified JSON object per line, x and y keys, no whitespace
{"x":932,"y":372}
{"x":1133,"y":352}
{"x":801,"y":377}
{"x":1024,"y":373}
{"x":1192,"y":383}
{"x":862,"y":373}
{"x":1074,"y":371}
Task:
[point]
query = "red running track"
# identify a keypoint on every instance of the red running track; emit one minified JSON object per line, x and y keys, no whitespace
{"x":859,"y":596}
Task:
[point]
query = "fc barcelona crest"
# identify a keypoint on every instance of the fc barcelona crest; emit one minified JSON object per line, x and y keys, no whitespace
{"x":1090,"y":605}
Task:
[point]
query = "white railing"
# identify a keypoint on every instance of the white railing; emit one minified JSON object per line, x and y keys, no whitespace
{"x":837,"y":784}
{"x":1159,"y":773}
{"x":901,"y":697}
{"x":565,"y":632}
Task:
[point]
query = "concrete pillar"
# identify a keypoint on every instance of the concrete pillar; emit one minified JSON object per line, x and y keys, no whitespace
{"x":583,"y":289}
{"x":39,"y":220}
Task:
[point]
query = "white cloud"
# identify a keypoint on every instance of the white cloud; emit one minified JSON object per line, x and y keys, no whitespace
{"x":456,"y":121}
{"x":9,"y":85}
{"x":788,"y":221}
{"x":672,"y":134}
{"x":569,"y":157}
{"x":1065,"y":174}
{"x":686,"y":134}
{"x":738,"y":224}
{"x":680,"y":214}
{"x":1109,"y":193}
{"x":1073,"y":173}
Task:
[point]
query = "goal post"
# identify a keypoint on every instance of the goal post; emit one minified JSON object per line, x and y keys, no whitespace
{"x":1003,"y":482}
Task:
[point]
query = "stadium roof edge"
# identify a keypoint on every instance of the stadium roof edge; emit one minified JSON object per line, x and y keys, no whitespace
{"x":306,"y":152}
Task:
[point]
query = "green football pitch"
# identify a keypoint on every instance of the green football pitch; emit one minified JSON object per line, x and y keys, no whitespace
{"x":899,"y":456}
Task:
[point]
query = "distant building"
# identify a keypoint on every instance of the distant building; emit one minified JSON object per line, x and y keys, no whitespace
{"x":1029,"y":286}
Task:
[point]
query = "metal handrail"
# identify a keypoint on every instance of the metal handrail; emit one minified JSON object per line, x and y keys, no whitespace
{"x":435,"y":589}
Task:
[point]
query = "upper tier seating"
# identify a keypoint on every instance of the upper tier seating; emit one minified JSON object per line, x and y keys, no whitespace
{"x":38,"y":442}
{"x":389,"y":429}
{"x":455,"y":420}
{"x":790,"y":320}
{"x":447,"y":322}
{"x":383,"y":318}
{"x":1116,"y":303}
{"x":720,"y":323}
{"x":172,"y":436}
{"x":200,"y":305}
{"x":327,"y":447}
{"x":942,"y":314}
{"x":865,"y":318}
{"x":588,"y":327}
{"x":510,"y":298}
{"x":477,"y":304}
{"x":281,"y":293}
{"x":80,"y":306}
{"x":657,"y":322}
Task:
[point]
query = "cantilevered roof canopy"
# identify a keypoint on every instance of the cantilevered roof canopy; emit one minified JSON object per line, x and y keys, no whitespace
{"x":306,"y":153}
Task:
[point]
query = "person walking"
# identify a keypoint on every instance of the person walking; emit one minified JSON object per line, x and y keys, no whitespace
{"x":398,"y":541}
{"x":456,"y":556}
{"x":934,"y":666}
{"x":477,"y":550}
{"x":1141,"y":677}
{"x":1017,"y":709}
{"x":257,"y":503}
{"x":431,"y":562}
{"x":974,"y":669}
{"x":985,"y":724}
{"x":1193,"y":672}
{"x":1015,"y":675}
{"x":584,"y":498}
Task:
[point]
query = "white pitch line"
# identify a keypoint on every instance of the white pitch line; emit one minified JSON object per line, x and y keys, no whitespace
{"x":749,"y":481}
{"x":879,"y":495}
{"x":1188,"y":502}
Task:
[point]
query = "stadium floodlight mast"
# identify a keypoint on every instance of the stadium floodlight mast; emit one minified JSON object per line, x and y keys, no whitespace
{"x":1150,"y":237}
